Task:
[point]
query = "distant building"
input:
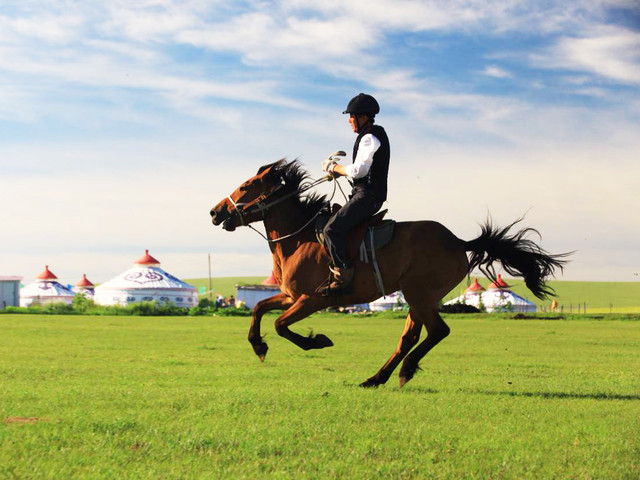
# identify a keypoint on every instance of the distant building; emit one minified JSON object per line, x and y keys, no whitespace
{"x":85,"y":287}
{"x":146,"y":282}
{"x":392,"y":301}
{"x":46,"y":289}
{"x":9,"y":291}
{"x":252,"y":294}
{"x":496,"y":298}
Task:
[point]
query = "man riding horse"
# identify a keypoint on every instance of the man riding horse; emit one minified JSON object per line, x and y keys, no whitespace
{"x":368,"y":176}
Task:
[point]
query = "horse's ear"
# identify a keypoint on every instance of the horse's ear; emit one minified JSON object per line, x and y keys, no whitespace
{"x":264,"y":167}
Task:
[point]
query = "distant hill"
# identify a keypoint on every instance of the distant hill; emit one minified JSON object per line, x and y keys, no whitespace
{"x":600,"y":297}
{"x":224,"y":286}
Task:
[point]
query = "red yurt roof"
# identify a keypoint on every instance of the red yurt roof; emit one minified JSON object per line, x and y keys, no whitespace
{"x":83,"y":282}
{"x":270,"y":280}
{"x":475,"y":287}
{"x":147,"y":259}
{"x":47,"y":274}
{"x":499,"y":283}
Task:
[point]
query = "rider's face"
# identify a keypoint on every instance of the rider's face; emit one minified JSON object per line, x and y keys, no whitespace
{"x":361,"y":120}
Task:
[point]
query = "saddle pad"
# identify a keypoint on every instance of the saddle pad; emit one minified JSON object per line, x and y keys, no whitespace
{"x":382,"y":233}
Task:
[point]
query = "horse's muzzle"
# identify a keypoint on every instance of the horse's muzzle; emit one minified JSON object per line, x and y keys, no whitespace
{"x":217,"y":217}
{"x":229,"y":225}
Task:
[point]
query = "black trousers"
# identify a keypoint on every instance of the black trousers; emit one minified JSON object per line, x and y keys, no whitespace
{"x":361,"y":205}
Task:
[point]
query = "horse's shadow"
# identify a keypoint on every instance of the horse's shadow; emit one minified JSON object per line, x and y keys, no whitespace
{"x":554,"y":395}
{"x":550,"y":395}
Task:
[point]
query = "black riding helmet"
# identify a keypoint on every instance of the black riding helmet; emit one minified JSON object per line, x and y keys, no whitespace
{"x":363,"y":104}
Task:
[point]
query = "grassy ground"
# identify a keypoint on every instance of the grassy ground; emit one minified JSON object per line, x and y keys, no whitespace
{"x":125,"y":397}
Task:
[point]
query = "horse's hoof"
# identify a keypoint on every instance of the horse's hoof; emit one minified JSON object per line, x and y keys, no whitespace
{"x":406,"y":375}
{"x":261,"y":350}
{"x":370,"y":383}
{"x":322,"y":341}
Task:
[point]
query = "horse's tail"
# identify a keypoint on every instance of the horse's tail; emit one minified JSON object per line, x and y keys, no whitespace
{"x":518,"y":255}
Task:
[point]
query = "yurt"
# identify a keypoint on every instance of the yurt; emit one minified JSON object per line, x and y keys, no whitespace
{"x":85,"y":287}
{"x":146,"y":282}
{"x":389,"y":302}
{"x":472,"y":295}
{"x":499,"y":284}
{"x":501,"y":300}
{"x":46,"y":289}
{"x":496,"y":298}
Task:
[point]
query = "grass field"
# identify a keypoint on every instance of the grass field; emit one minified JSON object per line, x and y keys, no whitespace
{"x":599,"y":297}
{"x":169,"y":397}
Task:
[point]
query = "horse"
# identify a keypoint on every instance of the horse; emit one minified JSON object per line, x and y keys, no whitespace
{"x":424,"y":260}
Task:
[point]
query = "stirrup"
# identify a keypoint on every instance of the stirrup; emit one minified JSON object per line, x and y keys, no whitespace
{"x":334,"y":286}
{"x":323,"y":288}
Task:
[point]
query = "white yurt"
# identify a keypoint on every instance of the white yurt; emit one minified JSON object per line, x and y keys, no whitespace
{"x":146,"y":282}
{"x":389,"y":302}
{"x":471,"y":296}
{"x":85,"y":287}
{"x":46,"y":289}
{"x":496,"y":298}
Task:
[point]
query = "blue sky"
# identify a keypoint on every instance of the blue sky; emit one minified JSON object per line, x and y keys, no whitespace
{"x":123,"y":122}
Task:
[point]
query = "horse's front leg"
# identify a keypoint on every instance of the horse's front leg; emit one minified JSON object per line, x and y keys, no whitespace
{"x":277,"y":302}
{"x":302,"y":308}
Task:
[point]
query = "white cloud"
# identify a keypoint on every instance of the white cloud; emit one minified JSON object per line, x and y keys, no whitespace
{"x":611,"y":53}
{"x":203,"y":122}
{"x":50,"y":28}
{"x":496,"y":72}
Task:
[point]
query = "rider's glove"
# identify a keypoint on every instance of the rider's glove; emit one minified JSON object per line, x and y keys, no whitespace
{"x":328,"y":165}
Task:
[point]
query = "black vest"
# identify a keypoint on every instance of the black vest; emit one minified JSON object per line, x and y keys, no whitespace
{"x":376,"y":180}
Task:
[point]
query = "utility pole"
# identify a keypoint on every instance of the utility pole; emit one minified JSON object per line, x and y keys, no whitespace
{"x":210,"y":291}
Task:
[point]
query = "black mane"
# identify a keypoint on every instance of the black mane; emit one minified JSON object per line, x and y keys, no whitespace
{"x":295,"y":178}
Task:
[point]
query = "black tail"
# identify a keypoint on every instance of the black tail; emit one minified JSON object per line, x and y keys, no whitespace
{"x":518,"y":255}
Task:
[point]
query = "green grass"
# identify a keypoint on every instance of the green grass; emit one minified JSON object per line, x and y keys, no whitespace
{"x":179,"y":397}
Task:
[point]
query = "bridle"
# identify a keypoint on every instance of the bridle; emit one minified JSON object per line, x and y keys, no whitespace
{"x":260,"y":205}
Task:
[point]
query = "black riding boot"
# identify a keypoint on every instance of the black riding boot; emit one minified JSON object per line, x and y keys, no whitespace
{"x":339,"y":283}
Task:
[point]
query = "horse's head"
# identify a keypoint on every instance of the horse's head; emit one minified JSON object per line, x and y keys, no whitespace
{"x":238,"y":208}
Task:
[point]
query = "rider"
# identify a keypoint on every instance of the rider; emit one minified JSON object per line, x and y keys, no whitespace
{"x":368,"y":176}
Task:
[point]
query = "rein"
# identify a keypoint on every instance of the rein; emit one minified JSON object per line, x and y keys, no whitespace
{"x":258,"y":205}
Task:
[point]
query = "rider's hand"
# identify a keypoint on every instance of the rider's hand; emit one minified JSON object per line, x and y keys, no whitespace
{"x":328,"y":165}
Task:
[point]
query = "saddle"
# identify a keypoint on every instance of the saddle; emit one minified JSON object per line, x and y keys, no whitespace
{"x":372,"y":234}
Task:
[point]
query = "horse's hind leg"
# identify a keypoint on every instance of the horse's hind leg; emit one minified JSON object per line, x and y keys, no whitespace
{"x":409,"y":338}
{"x":436,"y":331}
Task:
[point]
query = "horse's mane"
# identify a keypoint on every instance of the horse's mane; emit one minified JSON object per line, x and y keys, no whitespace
{"x":296,"y":177}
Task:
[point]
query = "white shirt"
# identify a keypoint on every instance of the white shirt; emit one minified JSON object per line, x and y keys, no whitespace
{"x":369,"y":144}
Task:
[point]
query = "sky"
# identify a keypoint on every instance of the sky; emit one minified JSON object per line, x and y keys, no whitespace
{"x":122,"y":122}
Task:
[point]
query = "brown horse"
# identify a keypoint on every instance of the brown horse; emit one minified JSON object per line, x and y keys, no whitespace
{"x":424,"y":260}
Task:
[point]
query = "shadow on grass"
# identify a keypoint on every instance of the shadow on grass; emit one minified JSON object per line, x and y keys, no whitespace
{"x":588,"y":396}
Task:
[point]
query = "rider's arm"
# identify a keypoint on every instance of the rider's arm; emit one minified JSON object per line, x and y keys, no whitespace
{"x":369,"y":144}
